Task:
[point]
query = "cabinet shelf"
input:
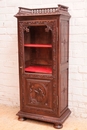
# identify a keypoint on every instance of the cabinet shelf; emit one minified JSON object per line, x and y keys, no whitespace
{"x":38,"y":45}
{"x":38,"y":69}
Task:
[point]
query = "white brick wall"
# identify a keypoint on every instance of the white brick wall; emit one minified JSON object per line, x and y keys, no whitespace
{"x":9,"y":81}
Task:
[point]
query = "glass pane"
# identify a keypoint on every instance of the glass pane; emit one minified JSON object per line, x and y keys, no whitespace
{"x":38,"y":49}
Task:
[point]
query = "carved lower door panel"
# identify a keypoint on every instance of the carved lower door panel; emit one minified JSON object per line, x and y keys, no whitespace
{"x":38,"y":97}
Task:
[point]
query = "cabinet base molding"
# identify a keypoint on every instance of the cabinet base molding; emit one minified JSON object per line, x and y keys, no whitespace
{"x":57,"y":121}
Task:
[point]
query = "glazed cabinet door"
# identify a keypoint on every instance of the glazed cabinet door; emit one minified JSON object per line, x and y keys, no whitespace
{"x":37,"y":46}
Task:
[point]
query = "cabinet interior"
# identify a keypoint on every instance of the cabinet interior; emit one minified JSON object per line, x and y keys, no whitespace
{"x":38,"y":49}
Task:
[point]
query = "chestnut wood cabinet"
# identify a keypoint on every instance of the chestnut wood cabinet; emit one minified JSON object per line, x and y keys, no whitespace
{"x":43,"y":44}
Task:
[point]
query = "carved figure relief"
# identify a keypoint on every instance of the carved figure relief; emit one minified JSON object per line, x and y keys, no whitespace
{"x":38,"y":94}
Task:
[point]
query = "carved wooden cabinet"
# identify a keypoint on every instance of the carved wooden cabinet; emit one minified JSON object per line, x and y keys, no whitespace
{"x":43,"y":44}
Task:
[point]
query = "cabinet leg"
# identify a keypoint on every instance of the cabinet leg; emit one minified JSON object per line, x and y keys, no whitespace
{"x":21,"y":118}
{"x":58,"y":126}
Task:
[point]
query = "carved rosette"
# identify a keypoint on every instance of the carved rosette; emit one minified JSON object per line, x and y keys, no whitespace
{"x":51,"y":25}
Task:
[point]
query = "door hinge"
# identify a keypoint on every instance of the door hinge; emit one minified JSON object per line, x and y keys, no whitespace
{"x":57,"y":33}
{"x":57,"y":101}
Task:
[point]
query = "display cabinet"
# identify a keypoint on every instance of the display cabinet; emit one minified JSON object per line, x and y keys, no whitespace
{"x":43,"y":44}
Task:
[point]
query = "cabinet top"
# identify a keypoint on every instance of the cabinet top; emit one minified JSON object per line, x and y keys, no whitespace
{"x":61,"y":9}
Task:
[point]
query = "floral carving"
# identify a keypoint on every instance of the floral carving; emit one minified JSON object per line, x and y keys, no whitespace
{"x":26,"y":29}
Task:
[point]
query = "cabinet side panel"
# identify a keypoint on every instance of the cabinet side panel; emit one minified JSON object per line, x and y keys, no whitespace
{"x":63,"y":90}
{"x":64,"y":59}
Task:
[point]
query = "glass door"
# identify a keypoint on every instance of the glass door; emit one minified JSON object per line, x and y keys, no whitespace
{"x":38,"y":49}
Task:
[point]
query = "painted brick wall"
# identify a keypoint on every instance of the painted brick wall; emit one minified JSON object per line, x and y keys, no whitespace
{"x":9,"y":80}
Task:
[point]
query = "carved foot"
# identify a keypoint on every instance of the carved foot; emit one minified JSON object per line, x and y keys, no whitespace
{"x":58,"y":126}
{"x":21,"y":118}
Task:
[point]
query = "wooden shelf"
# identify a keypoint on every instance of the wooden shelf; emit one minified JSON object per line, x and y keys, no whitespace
{"x":39,"y":69}
{"x":38,"y":45}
